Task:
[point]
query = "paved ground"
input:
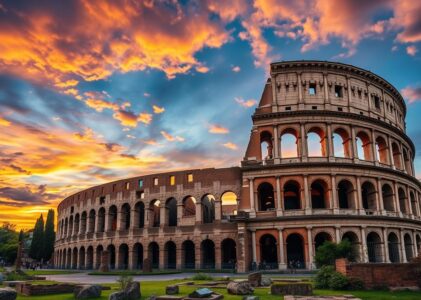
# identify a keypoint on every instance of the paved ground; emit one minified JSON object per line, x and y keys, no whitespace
{"x":85,"y":278}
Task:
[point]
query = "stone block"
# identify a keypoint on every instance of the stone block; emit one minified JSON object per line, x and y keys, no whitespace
{"x":171,"y":290}
{"x":303,"y":289}
{"x":240,"y":288}
{"x":254,"y":279}
{"x":8,"y":294}
{"x":87,"y":291}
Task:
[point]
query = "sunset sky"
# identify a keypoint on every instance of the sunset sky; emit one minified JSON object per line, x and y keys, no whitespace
{"x":93,"y":91}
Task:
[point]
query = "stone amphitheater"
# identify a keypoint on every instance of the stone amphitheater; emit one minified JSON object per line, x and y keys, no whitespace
{"x":328,"y":159}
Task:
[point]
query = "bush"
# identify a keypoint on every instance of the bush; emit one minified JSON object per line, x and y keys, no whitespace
{"x":124,"y":281}
{"x":355,"y":284}
{"x":327,"y":253}
{"x":202,"y":276}
{"x":322,"y":277}
{"x":338,"y":281}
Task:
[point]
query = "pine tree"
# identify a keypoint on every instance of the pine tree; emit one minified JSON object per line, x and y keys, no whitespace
{"x":49,"y":236}
{"x":37,"y":243}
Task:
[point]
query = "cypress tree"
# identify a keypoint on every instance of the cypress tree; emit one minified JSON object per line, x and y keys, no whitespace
{"x":49,"y":236}
{"x":37,"y":243}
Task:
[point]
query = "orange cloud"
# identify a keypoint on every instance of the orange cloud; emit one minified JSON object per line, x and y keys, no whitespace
{"x":411,"y":50}
{"x":99,"y":104}
{"x":245,"y":103}
{"x":218,"y":129}
{"x":4,"y":122}
{"x":230,"y":145}
{"x":157,"y":109}
{"x":171,"y":138}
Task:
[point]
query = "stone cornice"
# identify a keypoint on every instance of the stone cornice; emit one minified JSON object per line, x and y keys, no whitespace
{"x":331,"y":113}
{"x":310,"y":165}
{"x":278,"y":66}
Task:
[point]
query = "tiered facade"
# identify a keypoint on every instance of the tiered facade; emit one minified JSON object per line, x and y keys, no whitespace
{"x":328,"y":159}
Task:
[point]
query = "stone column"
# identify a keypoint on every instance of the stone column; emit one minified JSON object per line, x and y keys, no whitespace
{"x":303,"y":143}
{"x":279,"y":210}
{"x":359,"y":197}
{"x":335,"y":204}
{"x":310,"y":247}
{"x":330,"y":152}
{"x":338,"y":234}
{"x":179,"y":257}
{"x":199,"y":211}
{"x":325,"y":90}
{"x":179,"y":213}
{"x":307,"y":199}
{"x":414,"y":239}
{"x":275,"y":141}
{"x":402,"y":240}
{"x":354,"y":144}
{"x":161,"y":257}
{"x":390,"y":151}
{"x":364,"y":245}
{"x":396,"y":199}
{"x":282,"y":263}
{"x":253,"y":245}
{"x":408,"y":199}
{"x":251,"y":190}
{"x":218,"y":258}
{"x":373,"y":148}
{"x":300,"y":92}
{"x":132,"y":218}
{"x":162,"y":214}
{"x":380,"y":204}
{"x":198,"y":255}
{"x":131,"y":265}
{"x":386,"y":246}
{"x":218,"y":210}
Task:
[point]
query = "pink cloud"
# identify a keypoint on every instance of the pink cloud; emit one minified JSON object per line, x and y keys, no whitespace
{"x":412,"y":94}
{"x":411,"y":50}
{"x":218,"y":129}
{"x":230,"y":146}
{"x":245,"y":103}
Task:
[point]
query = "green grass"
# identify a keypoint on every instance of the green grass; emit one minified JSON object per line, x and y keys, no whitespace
{"x":149,"y":288}
{"x":49,"y":272}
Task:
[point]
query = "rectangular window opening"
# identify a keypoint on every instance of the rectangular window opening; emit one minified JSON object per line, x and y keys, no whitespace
{"x":338,"y":91}
{"x":172,"y":180}
{"x":377,"y":102}
{"x":312,"y":89}
{"x":340,"y":109}
{"x":140,"y":195}
{"x":190,"y":177}
{"x":314,"y":107}
{"x":155,"y":181}
{"x":127,"y":185}
{"x":288,"y":108}
{"x":140,"y":183}
{"x":102,"y":200}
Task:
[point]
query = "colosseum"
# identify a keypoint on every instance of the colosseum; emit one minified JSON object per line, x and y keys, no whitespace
{"x":328,"y":159}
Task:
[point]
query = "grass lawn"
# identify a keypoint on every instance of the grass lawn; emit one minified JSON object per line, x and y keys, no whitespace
{"x":158,"y":288}
{"x":49,"y":272}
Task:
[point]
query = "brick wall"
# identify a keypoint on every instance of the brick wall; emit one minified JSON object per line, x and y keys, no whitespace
{"x":379,"y":274}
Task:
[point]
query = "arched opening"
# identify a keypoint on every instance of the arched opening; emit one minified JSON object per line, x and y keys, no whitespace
{"x":265,"y":196}
{"x":316,"y":143}
{"x":407,"y":162}
{"x":418,"y":240}
{"x":208,"y":254}
{"x":396,"y":156}
{"x":111,"y":256}
{"x":355,"y":245}
{"x":99,"y":250}
{"x":83,"y":221}
{"x":341,"y":143}
{"x":155,"y":213}
{"x":387,"y":195}
{"x":229,"y":204}
{"x":138,"y":256}
{"x":229,"y":254}
{"x":71,"y":226}
{"x":295,"y":251}
{"x":123,"y":257}
{"x":101,"y":220}
{"x":208,"y":208}
{"x":76,"y":226}
{"x":153,"y":250}
{"x":91,"y":221}
{"x":90,"y":258}
{"x":408,"y":247}
{"x":140,"y":214}
{"x":170,"y":255}
{"x":268,"y":252}
{"x":393,"y":246}
{"x":374,"y":247}
{"x":320,"y":239}
{"x":171,"y":212}
{"x":189,"y":206}
{"x":319,"y":195}
{"x":413,"y":204}
{"x":112,"y":218}
{"x":125,"y":216}
{"x":189,"y":254}
{"x":74,"y":258}
{"x":289,"y":143}
{"x":346,"y":195}
{"x":292,"y":199}
{"x":82,"y":258}
{"x":368,"y":195}
{"x":363,"y":146}
{"x":381,"y":148}
{"x":266,"y":147}
{"x":402,"y":200}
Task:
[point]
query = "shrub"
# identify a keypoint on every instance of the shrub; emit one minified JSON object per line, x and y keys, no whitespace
{"x":327,"y":253}
{"x":338,"y":281}
{"x":322,"y":277}
{"x":202,"y":276}
{"x":355,"y":284}
{"x":124,"y":281}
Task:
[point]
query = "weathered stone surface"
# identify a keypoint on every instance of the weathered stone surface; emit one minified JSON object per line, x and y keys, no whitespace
{"x":172,"y":290}
{"x":250,"y":298}
{"x":255,"y":278}
{"x":266,"y":281}
{"x":103,"y":267}
{"x":133,"y":291}
{"x":28,"y":289}
{"x":147,"y":265}
{"x":8,"y":294}
{"x":240,"y":288}
{"x":117,"y":296}
{"x":88,"y":292}
{"x":292,"y":289}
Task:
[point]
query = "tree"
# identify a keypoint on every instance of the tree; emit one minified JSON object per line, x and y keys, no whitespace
{"x":8,"y":242}
{"x":37,"y":244}
{"x":327,"y":253}
{"x":49,"y":236}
